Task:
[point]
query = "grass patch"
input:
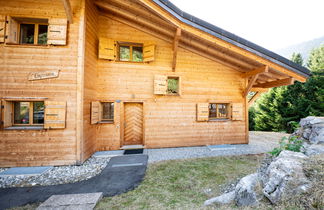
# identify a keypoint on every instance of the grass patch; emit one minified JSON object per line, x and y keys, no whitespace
{"x":183,"y":184}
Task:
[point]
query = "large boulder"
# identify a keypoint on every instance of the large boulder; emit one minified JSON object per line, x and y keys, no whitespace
{"x":311,"y":129}
{"x":246,"y":191}
{"x":285,"y":177}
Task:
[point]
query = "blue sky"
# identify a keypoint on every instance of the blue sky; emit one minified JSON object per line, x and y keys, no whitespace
{"x":273,"y":24}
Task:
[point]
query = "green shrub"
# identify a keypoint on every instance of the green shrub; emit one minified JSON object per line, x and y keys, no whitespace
{"x":293,"y":144}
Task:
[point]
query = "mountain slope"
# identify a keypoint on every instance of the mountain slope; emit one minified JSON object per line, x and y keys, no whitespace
{"x":304,"y":48}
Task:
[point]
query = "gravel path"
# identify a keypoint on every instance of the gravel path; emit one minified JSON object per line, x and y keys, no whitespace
{"x":57,"y":175}
{"x":260,"y":142}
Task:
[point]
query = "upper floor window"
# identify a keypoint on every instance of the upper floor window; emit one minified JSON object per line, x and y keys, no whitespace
{"x":130,"y":52}
{"x":173,"y":85}
{"x":28,"y":112}
{"x":218,"y":111}
{"x":33,"y":33}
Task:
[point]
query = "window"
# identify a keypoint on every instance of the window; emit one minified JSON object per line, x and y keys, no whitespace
{"x":130,"y":52}
{"x":107,"y":111}
{"x":28,"y":113}
{"x":33,"y":33}
{"x":173,"y":85}
{"x":218,"y":111}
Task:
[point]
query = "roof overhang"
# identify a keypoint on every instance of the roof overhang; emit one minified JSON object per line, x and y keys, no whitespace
{"x":164,"y":20}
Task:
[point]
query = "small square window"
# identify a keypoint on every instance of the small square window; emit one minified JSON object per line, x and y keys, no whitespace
{"x":107,"y":111}
{"x":28,"y":113}
{"x":130,"y":52}
{"x":218,"y":111}
{"x":173,"y":85}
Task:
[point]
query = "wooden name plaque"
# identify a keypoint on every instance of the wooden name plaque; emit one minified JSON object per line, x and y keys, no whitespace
{"x":43,"y":75}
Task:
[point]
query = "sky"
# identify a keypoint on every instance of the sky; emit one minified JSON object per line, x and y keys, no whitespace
{"x":273,"y":24}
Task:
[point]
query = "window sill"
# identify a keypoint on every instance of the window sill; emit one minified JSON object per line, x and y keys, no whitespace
{"x":172,"y":94}
{"x":218,"y":120}
{"x":131,"y":62}
{"x":28,"y":46}
{"x":25,"y":128}
{"x":106,"y":122}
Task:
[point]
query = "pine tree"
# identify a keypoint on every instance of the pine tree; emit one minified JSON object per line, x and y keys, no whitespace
{"x":282,"y":108}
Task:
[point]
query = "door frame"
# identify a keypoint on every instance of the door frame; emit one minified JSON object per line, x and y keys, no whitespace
{"x":122,"y":121}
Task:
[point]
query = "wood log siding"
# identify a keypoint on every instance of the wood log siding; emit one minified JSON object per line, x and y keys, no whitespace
{"x":45,"y":147}
{"x":168,"y":120}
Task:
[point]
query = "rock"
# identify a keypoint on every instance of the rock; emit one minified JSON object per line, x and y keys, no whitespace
{"x":285,"y":177}
{"x":306,"y":133}
{"x":245,"y":191}
{"x":314,"y":149}
{"x":311,"y":129}
{"x":291,"y":155}
{"x":311,"y":120}
{"x":225,"y":198}
{"x":317,"y":134}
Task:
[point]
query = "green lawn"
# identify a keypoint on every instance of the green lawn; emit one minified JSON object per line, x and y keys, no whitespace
{"x":182,"y":184}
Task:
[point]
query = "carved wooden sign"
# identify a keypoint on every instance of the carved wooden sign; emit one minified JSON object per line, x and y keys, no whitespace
{"x":43,"y":75}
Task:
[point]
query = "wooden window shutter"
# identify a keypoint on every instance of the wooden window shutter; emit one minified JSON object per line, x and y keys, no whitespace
{"x":7,"y":113}
{"x":55,"y":114}
{"x":160,"y":84}
{"x":148,"y":53}
{"x":2,"y":28}
{"x":11,"y":31}
{"x":107,"y":49}
{"x":237,"y":111}
{"x":95,"y":112}
{"x":57,"y":30}
{"x":202,"y":112}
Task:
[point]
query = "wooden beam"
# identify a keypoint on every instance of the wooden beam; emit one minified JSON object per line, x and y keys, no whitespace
{"x":68,"y":10}
{"x":136,"y":8}
{"x":254,"y":98}
{"x":139,"y":27}
{"x":250,"y":84}
{"x":263,"y":69}
{"x":210,"y":49}
{"x":80,"y":84}
{"x":175,"y":48}
{"x":277,"y":83}
{"x":209,"y":56}
{"x":129,"y":15}
{"x":259,"y":89}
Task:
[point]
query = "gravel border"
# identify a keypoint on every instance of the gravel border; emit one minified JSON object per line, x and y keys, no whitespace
{"x":260,"y":142}
{"x":57,"y":175}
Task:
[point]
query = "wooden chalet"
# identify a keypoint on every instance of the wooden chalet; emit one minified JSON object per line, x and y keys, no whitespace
{"x":80,"y":76}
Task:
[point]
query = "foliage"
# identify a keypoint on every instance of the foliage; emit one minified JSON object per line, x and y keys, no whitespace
{"x":282,"y":108}
{"x":293,"y":144}
{"x":297,"y":58}
{"x":173,"y":85}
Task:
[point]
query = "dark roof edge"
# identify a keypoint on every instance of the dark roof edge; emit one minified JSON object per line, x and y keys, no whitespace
{"x":231,"y":38}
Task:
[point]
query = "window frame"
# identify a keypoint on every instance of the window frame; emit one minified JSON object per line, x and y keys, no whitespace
{"x":101,"y":119}
{"x":130,"y":45}
{"x":36,"y":32}
{"x":178,"y":91}
{"x":228,"y":109}
{"x":31,"y":114}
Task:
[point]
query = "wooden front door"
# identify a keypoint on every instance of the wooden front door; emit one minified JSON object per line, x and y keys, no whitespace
{"x":133,"y":126}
